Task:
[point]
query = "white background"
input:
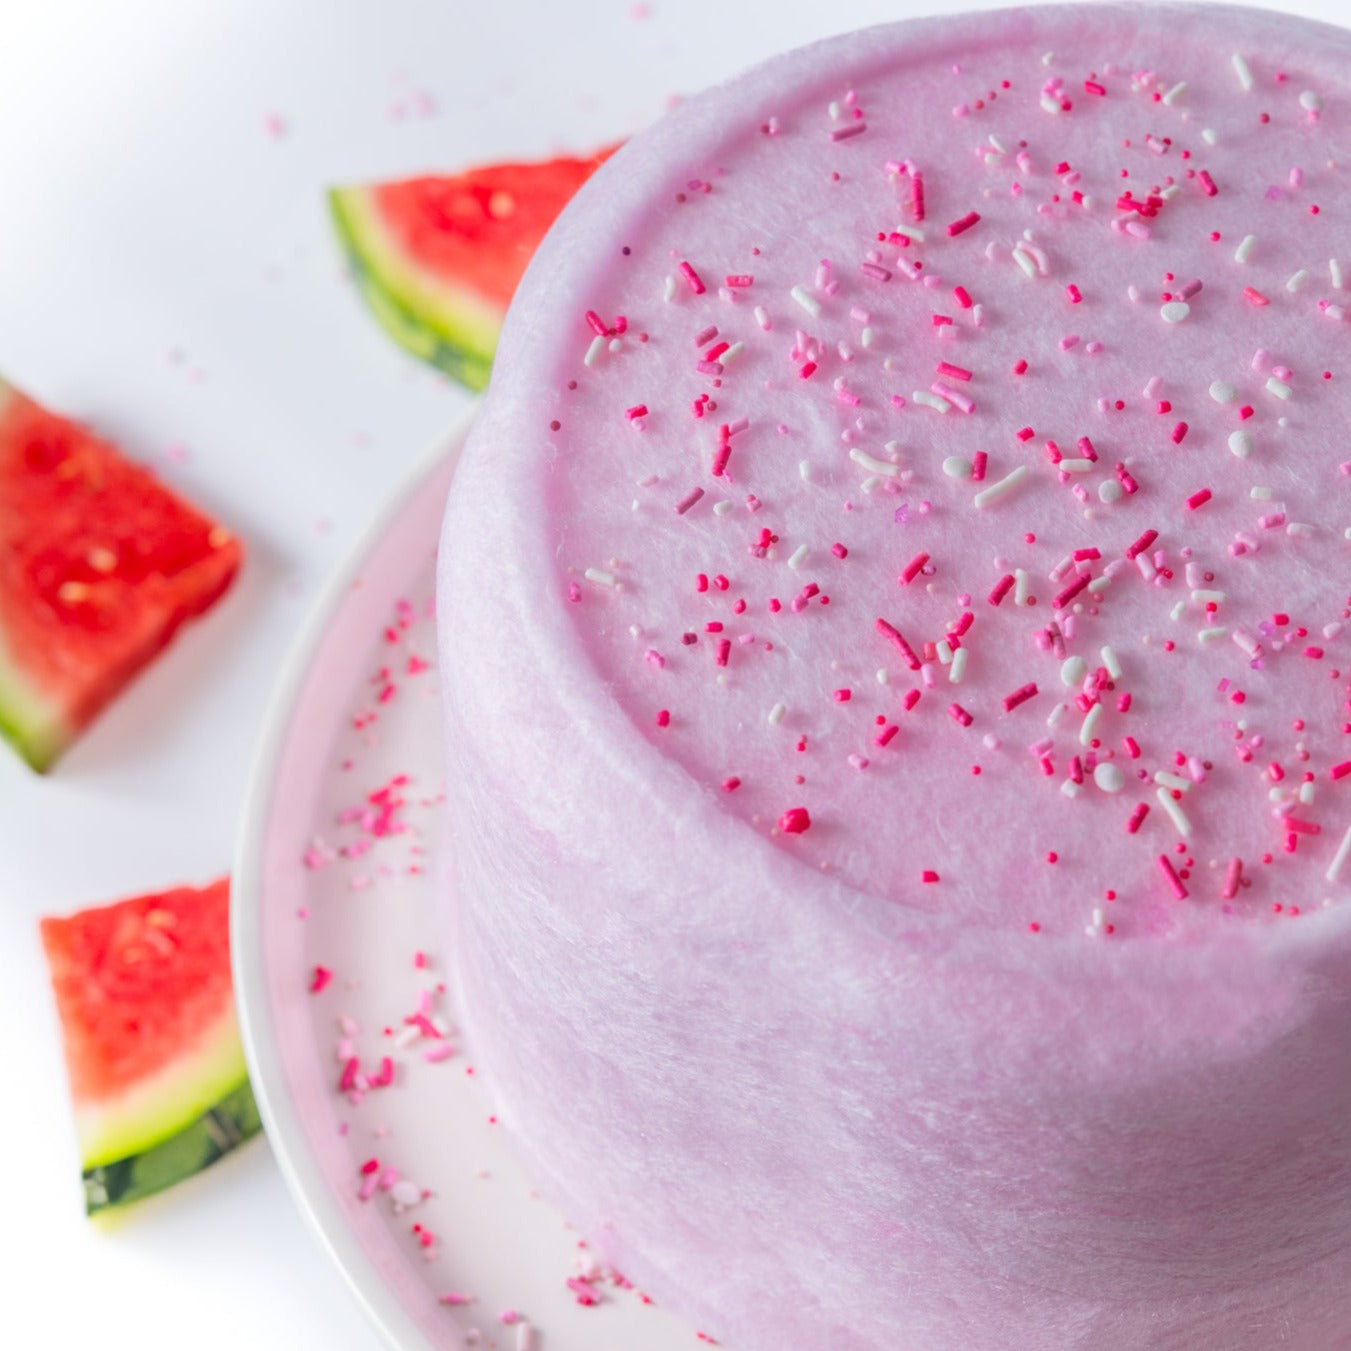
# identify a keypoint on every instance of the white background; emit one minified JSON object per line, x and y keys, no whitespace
{"x":167,"y":274}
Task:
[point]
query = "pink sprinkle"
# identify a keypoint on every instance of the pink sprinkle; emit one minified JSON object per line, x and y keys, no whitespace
{"x":839,"y":550}
{"x":322,"y":975}
{"x":913,"y":568}
{"x":946,"y":368}
{"x":806,"y":370}
{"x":1198,"y":499}
{"x":1233,"y":876}
{"x":910,"y":700}
{"x":962,"y":225}
{"x":663,"y":717}
{"x":1175,"y":883}
{"x":843,"y":696}
{"x":962,"y":296}
{"x":884,"y":737}
{"x":928,"y":875}
{"x":455,"y":1299}
{"x":443,"y":1050}
{"x":731,"y":784}
{"x":1137,"y":817}
{"x":1019,"y":696}
{"x":1072,"y":590}
{"x":1142,"y":543}
{"x":1074,"y":293}
{"x":1314,"y":653}
{"x":724,"y":648}
{"x":794,"y":821}
{"x":1178,"y":433}
{"x":691,"y":276}
{"x":959,"y":714}
{"x":683,"y":506}
{"x":1001,"y":589}
{"x":1254,"y":297}
{"x":740,"y":279}
{"x":1132,"y":747}
{"x":844,"y":133}
{"x":1340,"y":771}
{"x":978,"y":463}
{"x":1024,"y":433}
{"x":1020,"y":367}
{"x":1207,"y":183}
{"x":893,"y":635}
{"x":349,"y":1075}
{"x":720,"y":458}
{"x":1093,"y":87}
{"x":598,"y":325}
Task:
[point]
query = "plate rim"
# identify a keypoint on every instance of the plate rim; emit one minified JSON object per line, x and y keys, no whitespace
{"x":308,"y":1186}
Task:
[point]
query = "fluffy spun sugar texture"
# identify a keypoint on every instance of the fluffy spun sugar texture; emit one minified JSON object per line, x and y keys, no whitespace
{"x":894,"y":616}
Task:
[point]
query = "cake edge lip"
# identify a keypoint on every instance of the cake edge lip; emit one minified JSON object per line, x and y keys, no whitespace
{"x":629,"y":179}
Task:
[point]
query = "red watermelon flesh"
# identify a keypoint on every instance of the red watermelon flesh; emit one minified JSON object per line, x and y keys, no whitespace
{"x":438,"y":257}
{"x":99,"y":565}
{"x":152,"y":1048}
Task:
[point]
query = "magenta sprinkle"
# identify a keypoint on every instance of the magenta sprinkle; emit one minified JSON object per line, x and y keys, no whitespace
{"x":928,"y":875}
{"x":738,"y":280}
{"x":958,"y":714}
{"x":1137,"y":817}
{"x":598,"y":325}
{"x":1340,"y":771}
{"x":1072,"y":590}
{"x":1198,"y":499}
{"x":1019,"y":696}
{"x":720,"y":458}
{"x":962,"y":296}
{"x":883,"y":738}
{"x":794,"y":821}
{"x":724,"y":650}
{"x":963,"y":224}
{"x":1093,"y":87}
{"x":1207,"y":183}
{"x":663,"y":717}
{"x":910,"y":700}
{"x":894,"y":637}
{"x":913,"y":568}
{"x":1142,"y":543}
{"x":1074,"y":293}
{"x":978,"y":463}
{"x":692,"y":277}
{"x":1178,"y":432}
{"x":731,"y":784}
{"x":1001,"y":589}
{"x":1254,"y":297}
{"x":946,"y":368}
{"x":1233,"y":876}
{"x":1175,"y":883}
{"x":322,"y":975}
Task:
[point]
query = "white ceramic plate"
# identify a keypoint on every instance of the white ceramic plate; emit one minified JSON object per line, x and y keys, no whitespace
{"x":339,"y":868}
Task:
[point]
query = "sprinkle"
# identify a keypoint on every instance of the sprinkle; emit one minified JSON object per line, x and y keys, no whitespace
{"x":688,"y":500}
{"x":958,"y":714}
{"x":600,"y":576}
{"x":1241,"y":444}
{"x":1089,"y":725}
{"x":1174,"y":311}
{"x":913,"y":568}
{"x":934,"y":401}
{"x":1243,"y":72}
{"x":963,"y":224}
{"x":894,"y":637}
{"x":1173,"y":807}
{"x":1245,"y":249}
{"x":884,"y":737}
{"x":1198,"y":499}
{"x":1000,"y":589}
{"x":593,"y":353}
{"x":1137,"y":817}
{"x":1279,"y":388}
{"x":1207,"y":184}
{"x":692,"y":277}
{"x":1175,"y":883}
{"x":874,"y":466}
{"x":958,"y":668}
{"x":794,"y":821}
{"x":805,"y":298}
{"x":1019,"y":696}
{"x":1340,"y":771}
{"x":1142,"y":543}
{"x":1072,"y":590}
{"x":845,"y":132}
{"x":776,"y":714}
{"x":988,"y":496}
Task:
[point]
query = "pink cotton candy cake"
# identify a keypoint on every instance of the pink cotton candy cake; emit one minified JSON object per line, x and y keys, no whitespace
{"x":894,"y":616}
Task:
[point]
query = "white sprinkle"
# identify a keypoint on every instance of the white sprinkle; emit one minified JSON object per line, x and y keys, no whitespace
{"x":668,"y":289}
{"x":1054,"y":718}
{"x":722,"y":508}
{"x":808,"y":301}
{"x":804,"y":470}
{"x":1050,"y":104}
{"x":1069,"y":788}
{"x":988,"y":496}
{"x":1112,"y":662}
{"x":1246,"y":642}
{"x":799,"y":556}
{"x":1306,"y":794}
{"x":1260,"y":493}
{"x":1100,"y":584}
{"x":1209,"y":136}
{"x":761,"y":317}
{"x":1299,"y":530}
{"x":1075,"y":466}
{"x":1072,"y":671}
{"x":1279,"y":388}
{"x":731,"y":354}
{"x":957,"y":467}
{"x":1223,"y":392}
{"x":1174,"y":311}
{"x":1340,"y":857}
{"x":1109,"y":777}
{"x":1021,"y":586}
{"x":1241,"y":443}
{"x":1335,"y":273}
{"x":944,"y":650}
{"x":883,"y":675}
{"x":1175,"y":93}
{"x":1245,"y":249}
{"x":1024,"y":260}
{"x":1206,"y":596}
{"x":1109,"y":491}
{"x":525,"y":1337}
{"x":1243,"y":72}
{"x":776,"y":714}
{"x":958,"y":665}
{"x":934,"y":401}
{"x":1089,"y":725}
{"x":594,"y":351}
{"x":866,"y":337}
{"x":1311,"y":101}
{"x":600,"y":576}
{"x":1297,"y":280}
{"x":1174,"y":809}
{"x":911,"y":232}
{"x":873,"y":466}
{"x":1162,"y":776}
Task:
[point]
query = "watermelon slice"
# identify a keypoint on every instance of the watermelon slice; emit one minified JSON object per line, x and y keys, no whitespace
{"x":152,"y":1047}
{"x":438,"y":258}
{"x":99,"y":565}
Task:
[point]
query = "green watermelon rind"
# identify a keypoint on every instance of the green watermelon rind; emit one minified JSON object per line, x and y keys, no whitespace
{"x":444,"y":325}
{"x":165,"y":1103}
{"x":216,"y":1132}
{"x":31,"y":724}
